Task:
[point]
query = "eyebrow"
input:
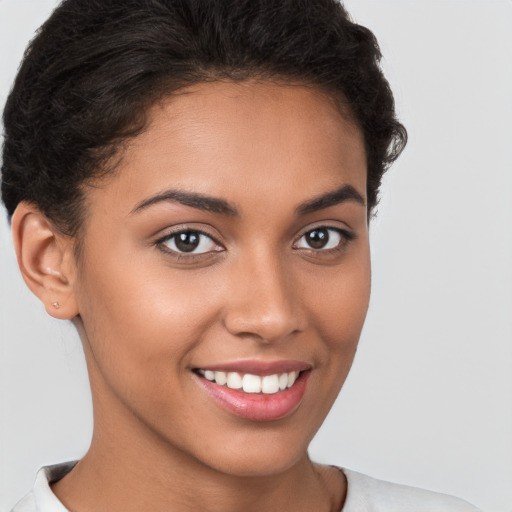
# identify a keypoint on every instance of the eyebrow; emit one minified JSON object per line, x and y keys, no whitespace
{"x":223,"y":207}
{"x":192,"y":199}
{"x":341,"y":195}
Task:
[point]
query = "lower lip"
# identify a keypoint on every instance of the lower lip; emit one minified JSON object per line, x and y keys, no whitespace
{"x":258,"y":406}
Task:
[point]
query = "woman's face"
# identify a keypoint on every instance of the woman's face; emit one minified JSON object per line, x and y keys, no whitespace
{"x":232,"y":243}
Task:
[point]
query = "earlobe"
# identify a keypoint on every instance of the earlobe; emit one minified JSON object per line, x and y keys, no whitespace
{"x":45,"y":258}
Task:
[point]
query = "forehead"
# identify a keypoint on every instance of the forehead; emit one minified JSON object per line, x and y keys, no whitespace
{"x":245,"y":139}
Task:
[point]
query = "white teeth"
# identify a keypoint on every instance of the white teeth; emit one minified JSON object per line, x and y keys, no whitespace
{"x":234,"y":380}
{"x":270,"y":384}
{"x":221,"y":378}
{"x":249,"y":383}
{"x":292,"y":376}
{"x":283,"y":381}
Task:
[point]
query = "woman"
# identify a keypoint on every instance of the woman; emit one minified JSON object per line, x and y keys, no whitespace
{"x":190,"y":183}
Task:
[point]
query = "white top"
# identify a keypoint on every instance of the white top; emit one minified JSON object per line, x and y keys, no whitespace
{"x":364,"y":494}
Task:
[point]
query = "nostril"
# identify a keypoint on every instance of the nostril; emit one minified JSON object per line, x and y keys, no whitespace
{"x":265,"y":328}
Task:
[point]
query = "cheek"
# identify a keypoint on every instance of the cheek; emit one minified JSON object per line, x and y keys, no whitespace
{"x":137,"y":322}
{"x":142,"y":332}
{"x":339,"y":311}
{"x":342,"y":303}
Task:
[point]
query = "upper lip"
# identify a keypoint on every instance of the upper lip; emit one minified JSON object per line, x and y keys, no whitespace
{"x":259,"y":367}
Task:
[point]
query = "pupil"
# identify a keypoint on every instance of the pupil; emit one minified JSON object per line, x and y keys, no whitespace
{"x":318,"y":238}
{"x":188,"y":241}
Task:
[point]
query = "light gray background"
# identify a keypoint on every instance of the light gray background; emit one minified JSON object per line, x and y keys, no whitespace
{"x":429,"y":400}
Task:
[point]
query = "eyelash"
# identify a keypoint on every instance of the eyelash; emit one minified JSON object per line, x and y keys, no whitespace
{"x":183,"y":255}
{"x":345,"y":238}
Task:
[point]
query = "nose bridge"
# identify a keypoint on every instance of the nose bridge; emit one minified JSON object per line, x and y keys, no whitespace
{"x":263,"y":299}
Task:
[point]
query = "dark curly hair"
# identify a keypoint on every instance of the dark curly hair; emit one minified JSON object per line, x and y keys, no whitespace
{"x":96,"y":66}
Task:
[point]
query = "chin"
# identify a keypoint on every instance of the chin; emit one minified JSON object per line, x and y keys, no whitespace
{"x":255,"y":465}
{"x":266,"y":454}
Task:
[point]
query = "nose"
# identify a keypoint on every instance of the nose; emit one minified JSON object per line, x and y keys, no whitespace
{"x":263,"y":301}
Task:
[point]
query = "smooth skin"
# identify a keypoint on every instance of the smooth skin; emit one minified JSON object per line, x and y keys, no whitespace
{"x":274,"y":275}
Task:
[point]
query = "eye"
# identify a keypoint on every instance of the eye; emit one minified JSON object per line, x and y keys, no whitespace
{"x":189,"y":242}
{"x":323,"y":238}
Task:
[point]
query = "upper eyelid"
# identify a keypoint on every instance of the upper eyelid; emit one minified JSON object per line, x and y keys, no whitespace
{"x":344,"y":230}
{"x":183,"y":229}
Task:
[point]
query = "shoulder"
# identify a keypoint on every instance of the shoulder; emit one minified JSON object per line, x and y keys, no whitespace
{"x":41,"y":497}
{"x":372,"y":495}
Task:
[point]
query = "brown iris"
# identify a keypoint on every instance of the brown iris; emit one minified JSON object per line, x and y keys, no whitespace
{"x":187,"y":241}
{"x":317,"y":238}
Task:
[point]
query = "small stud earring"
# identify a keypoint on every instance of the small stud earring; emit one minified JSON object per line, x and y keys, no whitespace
{"x":56,"y":305}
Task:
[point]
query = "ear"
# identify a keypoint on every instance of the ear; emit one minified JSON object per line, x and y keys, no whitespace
{"x":46,"y":260}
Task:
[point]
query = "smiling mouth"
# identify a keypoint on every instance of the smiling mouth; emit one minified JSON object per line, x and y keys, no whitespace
{"x":251,"y":383}
{"x":256,"y":390}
